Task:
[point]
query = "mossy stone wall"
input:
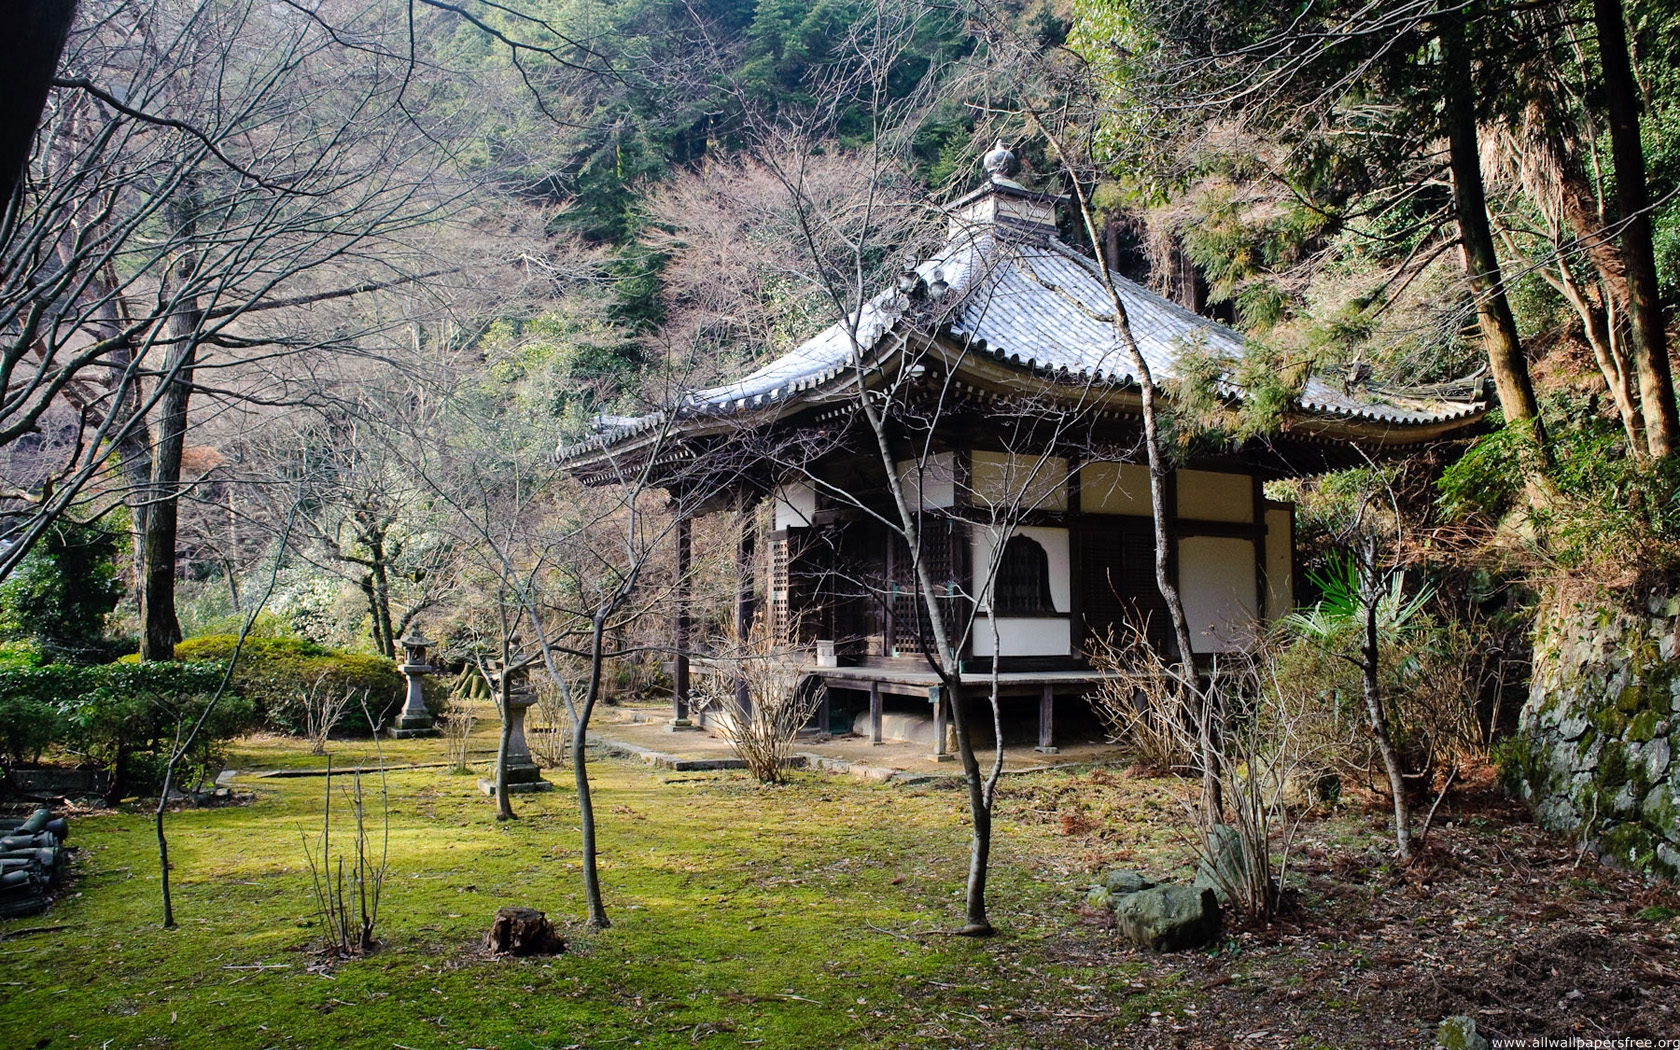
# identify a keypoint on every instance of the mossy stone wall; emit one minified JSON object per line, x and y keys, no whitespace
{"x":1595,"y":756}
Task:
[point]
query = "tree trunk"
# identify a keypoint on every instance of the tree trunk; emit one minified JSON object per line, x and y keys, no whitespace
{"x":1369,"y":654}
{"x":580,"y":776}
{"x":134,"y":459}
{"x":1203,"y":707}
{"x":1599,"y":324}
{"x":1500,"y":340}
{"x":504,"y":739}
{"x":1650,"y":338}
{"x":366,"y":584}
{"x":945,"y":664}
{"x":1568,"y":198}
{"x":29,"y":53}
{"x":383,"y":634}
{"x":159,"y":628}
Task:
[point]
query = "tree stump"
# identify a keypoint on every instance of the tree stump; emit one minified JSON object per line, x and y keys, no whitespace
{"x":523,"y":931}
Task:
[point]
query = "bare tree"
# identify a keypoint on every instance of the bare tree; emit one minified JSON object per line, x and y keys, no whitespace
{"x":553,"y":573}
{"x":203,"y":175}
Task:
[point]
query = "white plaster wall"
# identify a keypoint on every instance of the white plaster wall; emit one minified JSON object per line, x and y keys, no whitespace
{"x":1024,"y":636}
{"x":934,"y":485}
{"x":984,"y":546}
{"x":1114,"y":488}
{"x":796,"y":505}
{"x":999,"y":477}
{"x":1206,"y":496}
{"x":1280,"y":561}
{"x":1216,"y":580}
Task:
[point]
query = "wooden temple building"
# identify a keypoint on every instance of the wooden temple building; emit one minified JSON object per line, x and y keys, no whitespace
{"x":1013,"y":420}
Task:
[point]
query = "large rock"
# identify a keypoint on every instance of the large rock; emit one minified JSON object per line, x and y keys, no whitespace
{"x":1115,"y":885}
{"x":1168,"y":918}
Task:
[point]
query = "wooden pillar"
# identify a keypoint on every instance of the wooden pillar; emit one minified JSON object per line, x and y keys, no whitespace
{"x":680,"y":626}
{"x":821,"y":715}
{"x":937,"y":699}
{"x":1047,"y":720}
{"x":875,"y":713}
{"x":745,"y":588}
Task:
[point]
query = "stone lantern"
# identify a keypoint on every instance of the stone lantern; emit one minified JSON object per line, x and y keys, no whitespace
{"x":522,"y":773}
{"x":415,"y":720}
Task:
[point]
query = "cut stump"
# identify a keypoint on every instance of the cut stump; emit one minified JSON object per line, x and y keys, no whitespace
{"x":523,"y":931}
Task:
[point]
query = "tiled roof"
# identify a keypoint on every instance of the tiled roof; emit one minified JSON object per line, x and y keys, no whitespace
{"x":1018,"y":295}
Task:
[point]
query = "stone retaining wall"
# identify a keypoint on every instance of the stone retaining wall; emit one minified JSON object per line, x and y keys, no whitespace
{"x":1595,"y":757}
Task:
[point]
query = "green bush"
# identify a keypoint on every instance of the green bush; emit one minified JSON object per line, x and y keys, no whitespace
{"x":27,"y":728}
{"x":122,"y":717}
{"x":276,"y":673}
{"x":18,"y":655}
{"x":61,"y":592}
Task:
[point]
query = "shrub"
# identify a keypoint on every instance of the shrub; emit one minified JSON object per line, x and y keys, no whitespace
{"x":276,"y":674}
{"x":122,"y":717}
{"x":15,"y":656}
{"x":779,"y":702}
{"x":27,"y":728}
{"x":63,"y":589}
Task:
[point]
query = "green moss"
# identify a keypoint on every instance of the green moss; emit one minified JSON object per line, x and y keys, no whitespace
{"x":1609,"y":721}
{"x":1613,"y":770}
{"x":791,"y":917}
{"x":1629,"y":846}
{"x":1643,"y":726}
{"x":1459,"y":1033}
{"x":1519,"y":764}
{"x":1584,"y":744}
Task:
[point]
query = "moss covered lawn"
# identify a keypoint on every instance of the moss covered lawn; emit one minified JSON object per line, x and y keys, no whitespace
{"x":804,"y":915}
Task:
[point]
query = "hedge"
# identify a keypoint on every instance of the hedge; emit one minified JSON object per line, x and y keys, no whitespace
{"x":123,"y":717}
{"x":276,"y":673}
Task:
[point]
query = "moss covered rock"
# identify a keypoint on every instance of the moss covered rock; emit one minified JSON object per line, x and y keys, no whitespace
{"x":1595,"y":757}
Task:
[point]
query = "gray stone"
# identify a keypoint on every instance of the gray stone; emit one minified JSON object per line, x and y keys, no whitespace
{"x":1560,"y":762}
{"x":1661,"y":810}
{"x":1570,"y":727}
{"x":1169,"y":918}
{"x":1223,"y":864}
{"x":1625,"y":804}
{"x":1459,"y":1033}
{"x":1657,"y":755}
{"x":1555,"y":813}
{"x":1588,"y":759}
{"x":1120,"y":883}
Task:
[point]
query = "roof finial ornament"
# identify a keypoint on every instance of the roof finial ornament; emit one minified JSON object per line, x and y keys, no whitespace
{"x":999,"y":162}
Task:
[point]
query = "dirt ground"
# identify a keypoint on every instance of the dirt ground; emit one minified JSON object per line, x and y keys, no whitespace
{"x":1494,"y":920}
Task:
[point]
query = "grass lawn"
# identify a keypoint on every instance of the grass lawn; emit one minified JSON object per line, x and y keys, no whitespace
{"x":812,"y":915}
{"x":804,"y":915}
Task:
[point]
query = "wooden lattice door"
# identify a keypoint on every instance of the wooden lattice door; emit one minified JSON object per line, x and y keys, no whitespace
{"x":1119,"y":591}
